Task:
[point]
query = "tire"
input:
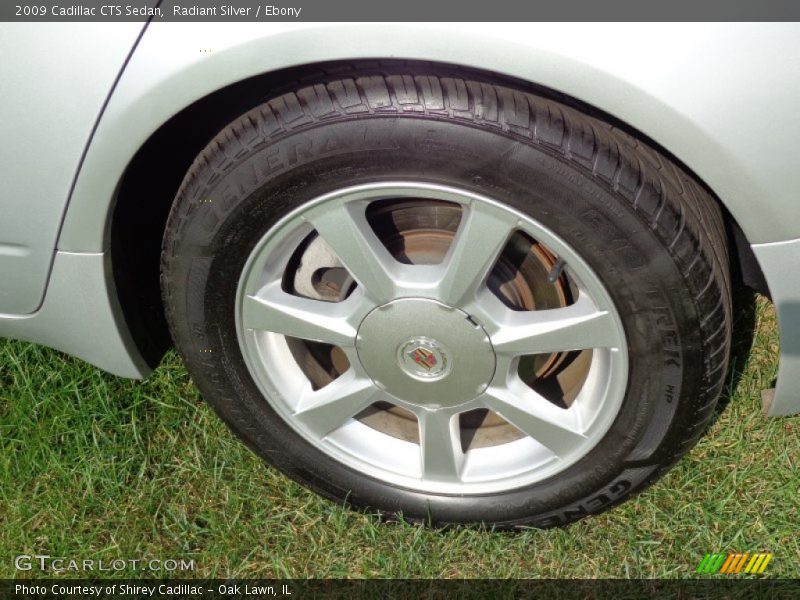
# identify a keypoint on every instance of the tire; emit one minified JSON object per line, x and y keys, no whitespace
{"x":653,"y":237}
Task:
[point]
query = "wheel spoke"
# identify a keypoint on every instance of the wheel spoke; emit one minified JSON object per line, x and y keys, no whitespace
{"x":274,"y":310}
{"x":347,"y":232}
{"x":481,"y":237}
{"x":579,"y":326}
{"x":532,"y":414}
{"x":327,"y":409}
{"x":440,"y":445}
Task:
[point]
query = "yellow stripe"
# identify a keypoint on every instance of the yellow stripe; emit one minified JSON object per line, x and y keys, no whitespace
{"x":764,"y":564}
{"x":724,"y":568}
{"x":753,"y":561}
{"x":761,"y":558}
{"x":740,"y":564}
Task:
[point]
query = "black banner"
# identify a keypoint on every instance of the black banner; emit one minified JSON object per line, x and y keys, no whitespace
{"x":407,"y":10}
{"x":427,"y":589}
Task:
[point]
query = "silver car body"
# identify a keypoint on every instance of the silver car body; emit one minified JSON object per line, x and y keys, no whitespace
{"x":79,"y":101}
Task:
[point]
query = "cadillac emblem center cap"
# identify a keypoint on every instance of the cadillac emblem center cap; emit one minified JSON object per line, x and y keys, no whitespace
{"x":425,"y":352}
{"x":423,"y":358}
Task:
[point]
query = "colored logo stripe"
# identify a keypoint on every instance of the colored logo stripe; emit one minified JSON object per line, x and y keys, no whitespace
{"x":711,"y":563}
{"x":734,"y":563}
{"x":758,"y":563}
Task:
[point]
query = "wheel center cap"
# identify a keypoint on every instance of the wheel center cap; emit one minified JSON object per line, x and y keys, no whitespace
{"x":425,"y":352}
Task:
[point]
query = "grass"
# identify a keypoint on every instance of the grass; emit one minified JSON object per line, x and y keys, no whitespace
{"x":93,"y":466}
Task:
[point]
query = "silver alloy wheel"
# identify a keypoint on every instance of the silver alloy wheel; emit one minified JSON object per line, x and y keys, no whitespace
{"x":431,"y":339}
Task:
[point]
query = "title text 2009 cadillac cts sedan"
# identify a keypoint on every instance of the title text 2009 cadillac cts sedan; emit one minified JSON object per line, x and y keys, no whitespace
{"x":462,"y":273}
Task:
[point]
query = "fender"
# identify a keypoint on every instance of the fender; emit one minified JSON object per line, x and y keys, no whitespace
{"x":709,"y":94}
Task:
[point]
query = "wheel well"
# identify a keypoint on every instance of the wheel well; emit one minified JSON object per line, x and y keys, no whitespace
{"x":149,"y":184}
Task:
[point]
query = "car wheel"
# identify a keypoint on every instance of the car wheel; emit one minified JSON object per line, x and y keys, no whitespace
{"x":447,"y":299}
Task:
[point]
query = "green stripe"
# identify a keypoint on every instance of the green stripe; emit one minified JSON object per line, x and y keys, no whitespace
{"x":703,"y":563}
{"x":718,"y":564}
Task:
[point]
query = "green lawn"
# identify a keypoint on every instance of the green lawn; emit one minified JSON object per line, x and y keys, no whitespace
{"x":93,"y":466}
